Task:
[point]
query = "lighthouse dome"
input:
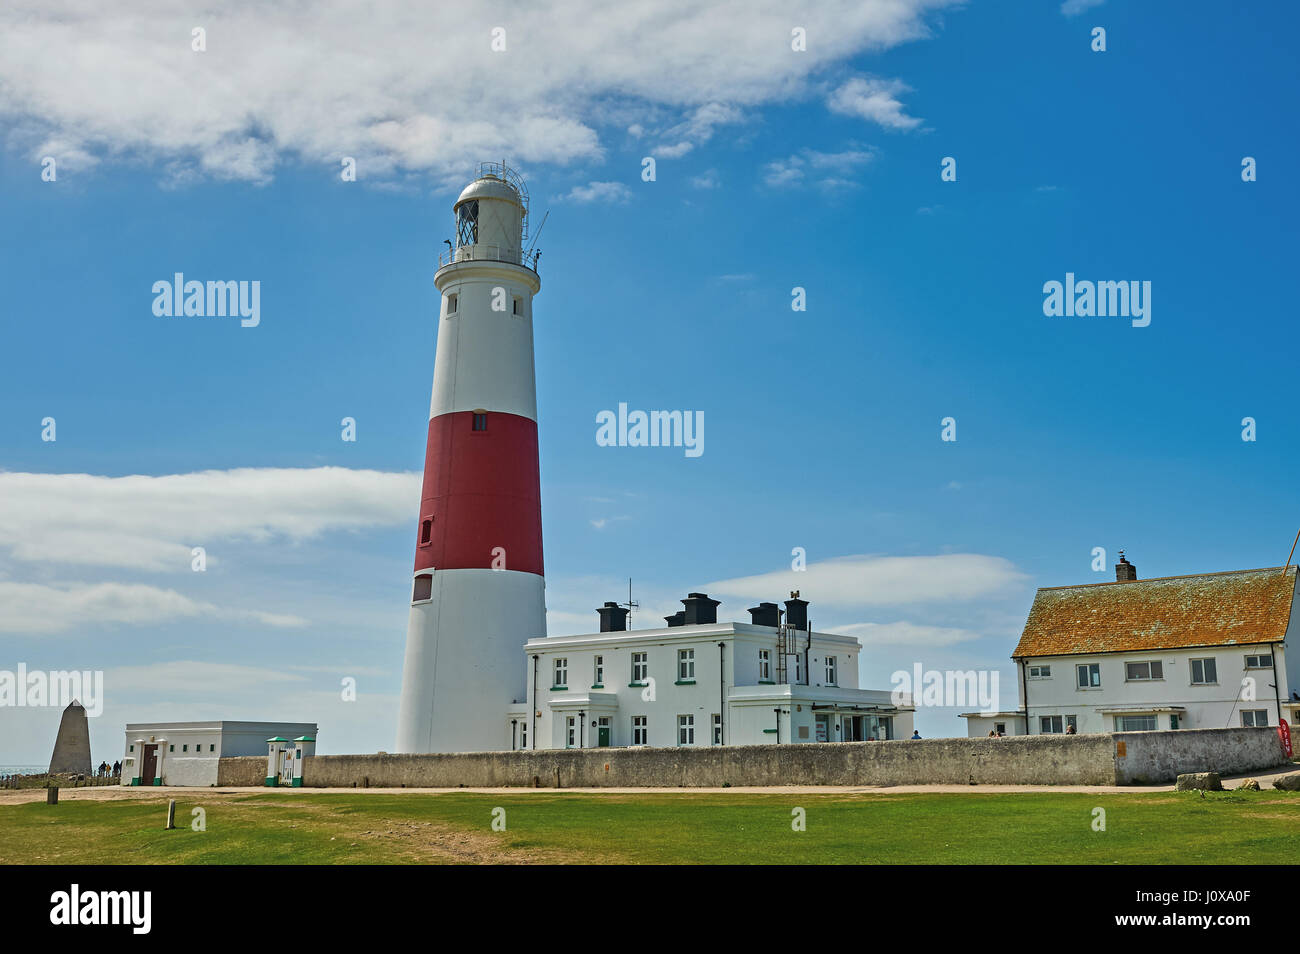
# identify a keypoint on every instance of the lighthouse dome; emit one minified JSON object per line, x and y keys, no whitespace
{"x":489,"y":187}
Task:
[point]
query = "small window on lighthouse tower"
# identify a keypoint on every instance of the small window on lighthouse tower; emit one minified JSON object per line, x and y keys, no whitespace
{"x":518,"y":305}
{"x":451,"y":304}
{"x":423,"y":589}
{"x":426,"y":531}
{"x":480,"y":421}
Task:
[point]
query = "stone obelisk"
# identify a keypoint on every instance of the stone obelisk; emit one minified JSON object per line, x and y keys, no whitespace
{"x":72,"y":747}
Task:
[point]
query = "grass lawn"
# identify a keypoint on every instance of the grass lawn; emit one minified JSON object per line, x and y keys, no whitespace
{"x":1040,"y":828}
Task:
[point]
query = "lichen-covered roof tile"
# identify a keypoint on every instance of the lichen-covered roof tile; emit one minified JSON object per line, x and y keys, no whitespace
{"x":1173,"y":612}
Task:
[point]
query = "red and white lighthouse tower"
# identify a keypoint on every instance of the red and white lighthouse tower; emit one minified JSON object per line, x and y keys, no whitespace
{"x":478,"y":589}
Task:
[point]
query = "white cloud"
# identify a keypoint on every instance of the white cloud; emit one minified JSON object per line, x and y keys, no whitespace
{"x":706,"y":180}
{"x":151,"y":523}
{"x":875,"y":100}
{"x":869,"y":580}
{"x":408,"y":88}
{"x":1072,"y":8}
{"x":696,"y":129}
{"x":39,"y":608}
{"x":186,"y":676}
{"x":903,"y":633}
{"x":828,"y":169}
{"x":597,"y":192}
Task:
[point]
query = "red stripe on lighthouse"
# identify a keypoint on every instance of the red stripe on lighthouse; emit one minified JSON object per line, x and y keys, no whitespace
{"x":482,"y":491}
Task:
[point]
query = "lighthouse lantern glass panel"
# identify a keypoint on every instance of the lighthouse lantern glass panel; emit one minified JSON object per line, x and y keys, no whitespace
{"x":467,"y":224}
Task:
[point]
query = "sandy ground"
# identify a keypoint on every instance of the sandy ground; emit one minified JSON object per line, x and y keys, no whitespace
{"x":113,"y":792}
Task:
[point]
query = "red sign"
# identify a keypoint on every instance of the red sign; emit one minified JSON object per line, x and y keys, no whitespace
{"x":1284,"y":733}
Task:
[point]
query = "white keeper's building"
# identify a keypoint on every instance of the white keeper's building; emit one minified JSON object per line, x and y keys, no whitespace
{"x":1203,"y":651}
{"x":187,"y":753}
{"x":700,"y":682}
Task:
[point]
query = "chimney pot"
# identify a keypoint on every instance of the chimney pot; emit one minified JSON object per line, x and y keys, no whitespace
{"x":765,"y":614}
{"x":699,"y":609}
{"x":796,"y":613}
{"x":613,"y":618}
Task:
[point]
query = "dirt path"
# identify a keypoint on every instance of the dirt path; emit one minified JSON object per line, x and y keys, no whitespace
{"x":109,"y":793}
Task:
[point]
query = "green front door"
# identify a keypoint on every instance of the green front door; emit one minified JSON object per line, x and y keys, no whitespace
{"x":603,"y":732}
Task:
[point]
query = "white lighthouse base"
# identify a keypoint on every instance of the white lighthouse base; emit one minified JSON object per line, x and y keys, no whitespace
{"x":465,"y":660}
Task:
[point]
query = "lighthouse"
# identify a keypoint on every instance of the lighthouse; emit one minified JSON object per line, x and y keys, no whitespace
{"x":477,"y":590}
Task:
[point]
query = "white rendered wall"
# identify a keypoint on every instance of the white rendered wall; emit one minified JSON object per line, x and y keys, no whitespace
{"x":484,"y":358}
{"x":744,"y":723}
{"x":1207,"y":707}
{"x":978,"y":727}
{"x":463,"y":652}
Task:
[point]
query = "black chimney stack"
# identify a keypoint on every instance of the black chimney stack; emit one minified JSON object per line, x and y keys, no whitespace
{"x":796,"y":611}
{"x":1125,"y":572}
{"x":613,"y":618}
{"x":677,"y":619}
{"x":765,"y":614}
{"x":700,"y":609}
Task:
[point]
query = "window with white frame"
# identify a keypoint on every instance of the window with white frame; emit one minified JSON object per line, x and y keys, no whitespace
{"x":765,"y":665}
{"x":1135,"y":723}
{"x":1055,"y":724}
{"x":686,"y":665}
{"x":523,"y":735}
{"x":1143,"y":671}
{"x":1040,"y":672}
{"x":598,"y":671}
{"x":571,"y":732}
{"x":832,"y":674}
{"x":1204,"y":672}
{"x":640,"y":667}
{"x":561,"y":672}
{"x":640,"y":730}
{"x":686,"y":730}
{"x":1254,"y":717}
{"x":717,"y":728}
{"x":1089,"y":675}
{"x":1259,"y":661}
{"x":798,"y":669}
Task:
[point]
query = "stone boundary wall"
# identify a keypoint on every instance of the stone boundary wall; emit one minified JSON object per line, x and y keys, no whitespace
{"x":242,"y":770}
{"x":1149,"y":758}
{"x":1155,"y":757}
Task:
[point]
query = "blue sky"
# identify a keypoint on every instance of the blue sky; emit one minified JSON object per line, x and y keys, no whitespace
{"x":822,"y":427}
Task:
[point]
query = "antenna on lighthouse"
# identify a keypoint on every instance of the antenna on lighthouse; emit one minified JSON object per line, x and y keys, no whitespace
{"x":538,"y":233}
{"x":528,"y":253}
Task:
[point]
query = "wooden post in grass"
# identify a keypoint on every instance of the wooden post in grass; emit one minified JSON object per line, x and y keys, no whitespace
{"x":52,"y":795}
{"x":171,"y":814}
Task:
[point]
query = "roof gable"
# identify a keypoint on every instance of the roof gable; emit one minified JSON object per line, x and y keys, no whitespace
{"x":1174,"y":612}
